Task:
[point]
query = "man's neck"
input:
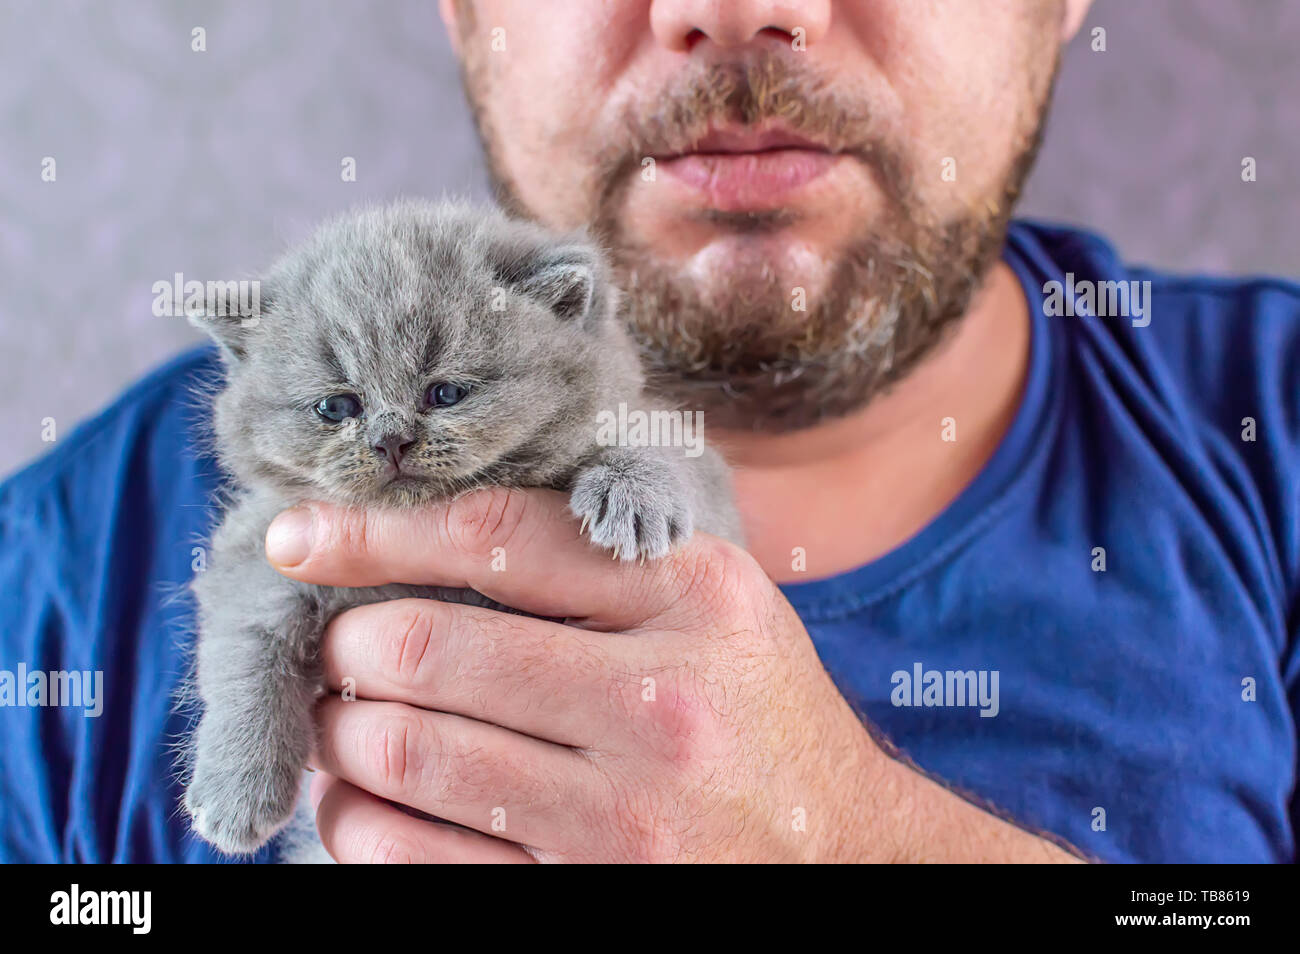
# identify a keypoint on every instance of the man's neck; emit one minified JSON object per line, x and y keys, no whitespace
{"x":849,"y":491}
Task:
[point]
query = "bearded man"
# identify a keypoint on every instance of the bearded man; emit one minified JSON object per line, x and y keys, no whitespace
{"x":1023,"y":531}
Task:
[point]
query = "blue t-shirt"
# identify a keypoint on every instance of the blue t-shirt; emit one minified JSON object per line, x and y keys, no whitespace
{"x":1097,"y":637}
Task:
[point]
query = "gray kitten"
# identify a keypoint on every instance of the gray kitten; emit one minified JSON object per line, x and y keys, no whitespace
{"x":402,"y":356}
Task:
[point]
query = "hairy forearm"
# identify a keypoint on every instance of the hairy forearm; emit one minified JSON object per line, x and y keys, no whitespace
{"x":940,"y":826}
{"x":916,"y":820}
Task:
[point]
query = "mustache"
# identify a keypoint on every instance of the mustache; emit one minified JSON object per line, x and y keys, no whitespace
{"x":766,"y":88}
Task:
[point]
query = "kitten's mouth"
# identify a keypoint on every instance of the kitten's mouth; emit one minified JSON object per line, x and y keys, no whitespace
{"x":403,"y":489}
{"x":399,"y":488}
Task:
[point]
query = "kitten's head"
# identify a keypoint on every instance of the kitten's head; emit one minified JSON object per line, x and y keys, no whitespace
{"x":406,"y":353}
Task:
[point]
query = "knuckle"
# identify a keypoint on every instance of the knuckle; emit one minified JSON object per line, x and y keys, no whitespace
{"x":684,"y":724}
{"x":714,"y":576}
{"x":395,"y":753}
{"x":349,"y":531}
{"x":479,"y":521}
{"x":406,"y":648}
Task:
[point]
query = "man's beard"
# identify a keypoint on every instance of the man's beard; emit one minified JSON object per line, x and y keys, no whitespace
{"x":742,"y":352}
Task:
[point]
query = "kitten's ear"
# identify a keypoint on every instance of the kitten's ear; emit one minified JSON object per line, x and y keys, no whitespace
{"x":566,"y":279}
{"x":226,"y":330}
{"x":231,"y":328}
{"x":567,"y":286}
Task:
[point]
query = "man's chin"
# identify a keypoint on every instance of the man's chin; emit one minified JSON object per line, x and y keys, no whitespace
{"x":769,"y":333}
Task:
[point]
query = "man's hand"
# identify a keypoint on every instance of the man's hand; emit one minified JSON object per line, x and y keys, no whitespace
{"x":678,"y":713}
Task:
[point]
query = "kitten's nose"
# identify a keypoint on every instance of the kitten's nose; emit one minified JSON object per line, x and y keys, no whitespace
{"x":393,"y":447}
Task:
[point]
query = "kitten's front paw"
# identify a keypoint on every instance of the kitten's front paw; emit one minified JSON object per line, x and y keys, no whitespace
{"x":238,"y":808}
{"x":637,"y":507}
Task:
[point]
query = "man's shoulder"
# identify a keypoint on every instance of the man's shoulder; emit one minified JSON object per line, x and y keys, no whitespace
{"x":1090,"y":256}
{"x":116,"y":493}
{"x":1208,"y":375}
{"x":159,"y":418}
{"x":1224,"y":345}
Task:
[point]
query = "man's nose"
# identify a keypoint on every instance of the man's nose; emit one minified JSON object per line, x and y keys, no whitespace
{"x":393,"y":447}
{"x":680,"y":24}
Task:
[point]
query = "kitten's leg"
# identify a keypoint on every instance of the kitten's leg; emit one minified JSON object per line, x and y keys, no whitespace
{"x":643,"y":501}
{"x":259,"y":678}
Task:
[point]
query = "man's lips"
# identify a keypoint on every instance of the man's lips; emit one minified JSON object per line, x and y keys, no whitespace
{"x":737,"y":171}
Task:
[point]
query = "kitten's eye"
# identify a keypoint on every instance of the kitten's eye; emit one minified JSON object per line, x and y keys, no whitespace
{"x":445,"y":395}
{"x":338,"y":407}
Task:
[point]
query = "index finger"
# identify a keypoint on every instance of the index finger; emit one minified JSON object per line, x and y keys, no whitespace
{"x":518,"y":547}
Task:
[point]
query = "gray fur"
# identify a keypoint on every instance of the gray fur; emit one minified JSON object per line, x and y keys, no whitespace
{"x":381,"y":304}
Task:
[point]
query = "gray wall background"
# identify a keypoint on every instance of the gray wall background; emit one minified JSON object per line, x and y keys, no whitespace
{"x":208,"y":163}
